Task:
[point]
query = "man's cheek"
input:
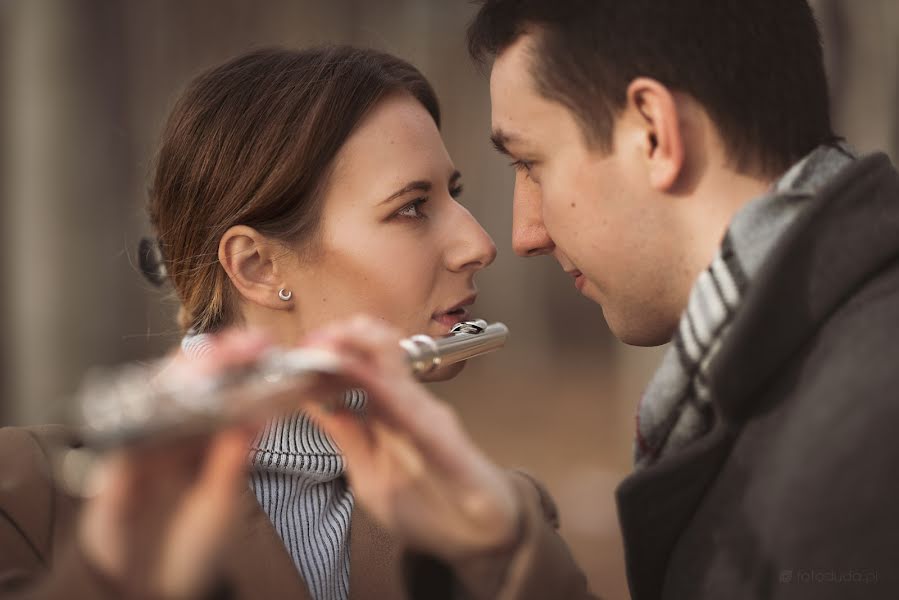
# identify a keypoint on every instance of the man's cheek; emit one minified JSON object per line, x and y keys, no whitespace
{"x":561,"y":218}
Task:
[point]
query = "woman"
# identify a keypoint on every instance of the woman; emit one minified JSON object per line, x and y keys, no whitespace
{"x":292,"y":188}
{"x":319,"y":181}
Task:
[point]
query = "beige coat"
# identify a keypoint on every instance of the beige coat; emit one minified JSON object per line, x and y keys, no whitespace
{"x":38,"y":558}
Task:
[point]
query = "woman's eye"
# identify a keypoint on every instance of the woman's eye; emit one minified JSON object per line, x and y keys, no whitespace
{"x":413,"y":209}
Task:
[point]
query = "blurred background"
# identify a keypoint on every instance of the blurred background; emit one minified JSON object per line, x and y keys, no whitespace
{"x":84,"y":88}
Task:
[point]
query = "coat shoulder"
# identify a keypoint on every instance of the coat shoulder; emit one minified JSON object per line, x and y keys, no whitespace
{"x":834,"y":408}
{"x":809,"y":482}
{"x":847,"y":372}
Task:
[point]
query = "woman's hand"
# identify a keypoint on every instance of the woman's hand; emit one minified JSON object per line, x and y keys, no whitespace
{"x":161,"y":514}
{"x":409,"y":461}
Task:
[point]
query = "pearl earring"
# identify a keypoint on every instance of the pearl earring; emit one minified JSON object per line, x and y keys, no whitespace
{"x":285,"y":294}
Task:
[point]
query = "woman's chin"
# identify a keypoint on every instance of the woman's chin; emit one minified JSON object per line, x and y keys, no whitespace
{"x":444,"y":373}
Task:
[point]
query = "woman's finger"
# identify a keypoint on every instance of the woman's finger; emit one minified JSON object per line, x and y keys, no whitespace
{"x":365,"y":338}
{"x":231,"y":348}
{"x":202,"y":520}
{"x":349,"y":432}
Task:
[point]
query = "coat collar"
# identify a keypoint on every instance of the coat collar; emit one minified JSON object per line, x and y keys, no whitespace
{"x":844,"y":240}
{"x":257,"y":563}
{"x":849,"y":235}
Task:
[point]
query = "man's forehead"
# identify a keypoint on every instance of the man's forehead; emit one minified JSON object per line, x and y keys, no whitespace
{"x":512,"y":94}
{"x":521,"y":120}
{"x":512,"y":66}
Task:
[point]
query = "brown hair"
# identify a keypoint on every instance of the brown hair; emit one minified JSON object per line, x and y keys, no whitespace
{"x":252,"y":142}
{"x":756,"y":66}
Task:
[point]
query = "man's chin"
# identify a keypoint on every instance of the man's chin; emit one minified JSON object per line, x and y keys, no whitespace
{"x":591,"y":292}
{"x":638,"y":329}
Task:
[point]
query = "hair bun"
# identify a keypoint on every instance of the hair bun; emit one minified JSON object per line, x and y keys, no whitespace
{"x":151,"y":262}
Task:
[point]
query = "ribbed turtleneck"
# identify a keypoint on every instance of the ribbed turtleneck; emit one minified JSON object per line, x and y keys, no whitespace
{"x":297,"y":477}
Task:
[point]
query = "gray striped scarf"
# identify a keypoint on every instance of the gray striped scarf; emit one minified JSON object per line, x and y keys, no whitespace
{"x":676,"y":408}
{"x":297,"y":476}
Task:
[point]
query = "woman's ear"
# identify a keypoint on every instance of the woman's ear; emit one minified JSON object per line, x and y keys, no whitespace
{"x":662,"y":140}
{"x":255,"y":266}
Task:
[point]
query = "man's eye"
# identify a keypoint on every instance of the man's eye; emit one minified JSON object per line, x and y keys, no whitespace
{"x":413,"y":209}
{"x":456,"y":192}
{"x":522,"y":165}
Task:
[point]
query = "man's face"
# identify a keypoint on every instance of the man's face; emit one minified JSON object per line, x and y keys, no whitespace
{"x":593,"y":211}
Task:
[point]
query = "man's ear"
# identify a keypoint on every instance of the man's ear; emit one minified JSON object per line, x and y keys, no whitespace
{"x":254,"y":264}
{"x":656,"y":111}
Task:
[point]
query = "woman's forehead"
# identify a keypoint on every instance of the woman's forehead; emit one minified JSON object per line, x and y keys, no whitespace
{"x":397,"y":142}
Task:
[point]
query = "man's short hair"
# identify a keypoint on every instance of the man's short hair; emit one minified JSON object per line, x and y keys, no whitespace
{"x":755,"y":65}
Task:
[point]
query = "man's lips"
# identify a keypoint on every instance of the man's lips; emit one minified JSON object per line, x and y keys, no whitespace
{"x":579,"y":279}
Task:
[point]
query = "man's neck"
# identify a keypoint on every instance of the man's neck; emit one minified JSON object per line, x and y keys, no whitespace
{"x":716,"y":201}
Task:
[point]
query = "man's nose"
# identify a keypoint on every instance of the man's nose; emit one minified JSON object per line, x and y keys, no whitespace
{"x":529,"y":235}
{"x":474,"y":248}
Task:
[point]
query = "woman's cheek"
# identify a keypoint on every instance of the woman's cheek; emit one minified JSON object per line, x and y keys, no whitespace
{"x":412,"y":289}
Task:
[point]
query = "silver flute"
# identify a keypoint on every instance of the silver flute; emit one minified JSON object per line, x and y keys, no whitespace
{"x":136,"y":403}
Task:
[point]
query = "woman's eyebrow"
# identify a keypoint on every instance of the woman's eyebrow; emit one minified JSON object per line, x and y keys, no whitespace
{"x":420,"y":185}
{"x":415,"y":186}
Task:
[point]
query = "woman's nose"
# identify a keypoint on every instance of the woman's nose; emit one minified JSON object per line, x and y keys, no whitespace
{"x":472,"y":248}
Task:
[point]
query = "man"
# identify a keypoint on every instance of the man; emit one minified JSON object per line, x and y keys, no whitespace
{"x":676,"y":157}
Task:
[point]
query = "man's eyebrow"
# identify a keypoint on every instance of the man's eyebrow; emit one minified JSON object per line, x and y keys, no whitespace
{"x":415,"y":186}
{"x":455,"y":177}
{"x":499,"y":139}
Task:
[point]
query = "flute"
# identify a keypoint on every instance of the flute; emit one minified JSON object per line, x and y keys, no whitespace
{"x":133,"y":403}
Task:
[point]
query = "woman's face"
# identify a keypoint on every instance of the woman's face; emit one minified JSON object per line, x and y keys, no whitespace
{"x":393,"y":241}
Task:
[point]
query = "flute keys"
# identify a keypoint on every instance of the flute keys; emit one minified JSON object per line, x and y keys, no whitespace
{"x":475,"y":326}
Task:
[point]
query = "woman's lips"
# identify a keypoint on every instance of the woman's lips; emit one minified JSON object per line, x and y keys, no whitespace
{"x":455,"y":313}
{"x":448,"y":319}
